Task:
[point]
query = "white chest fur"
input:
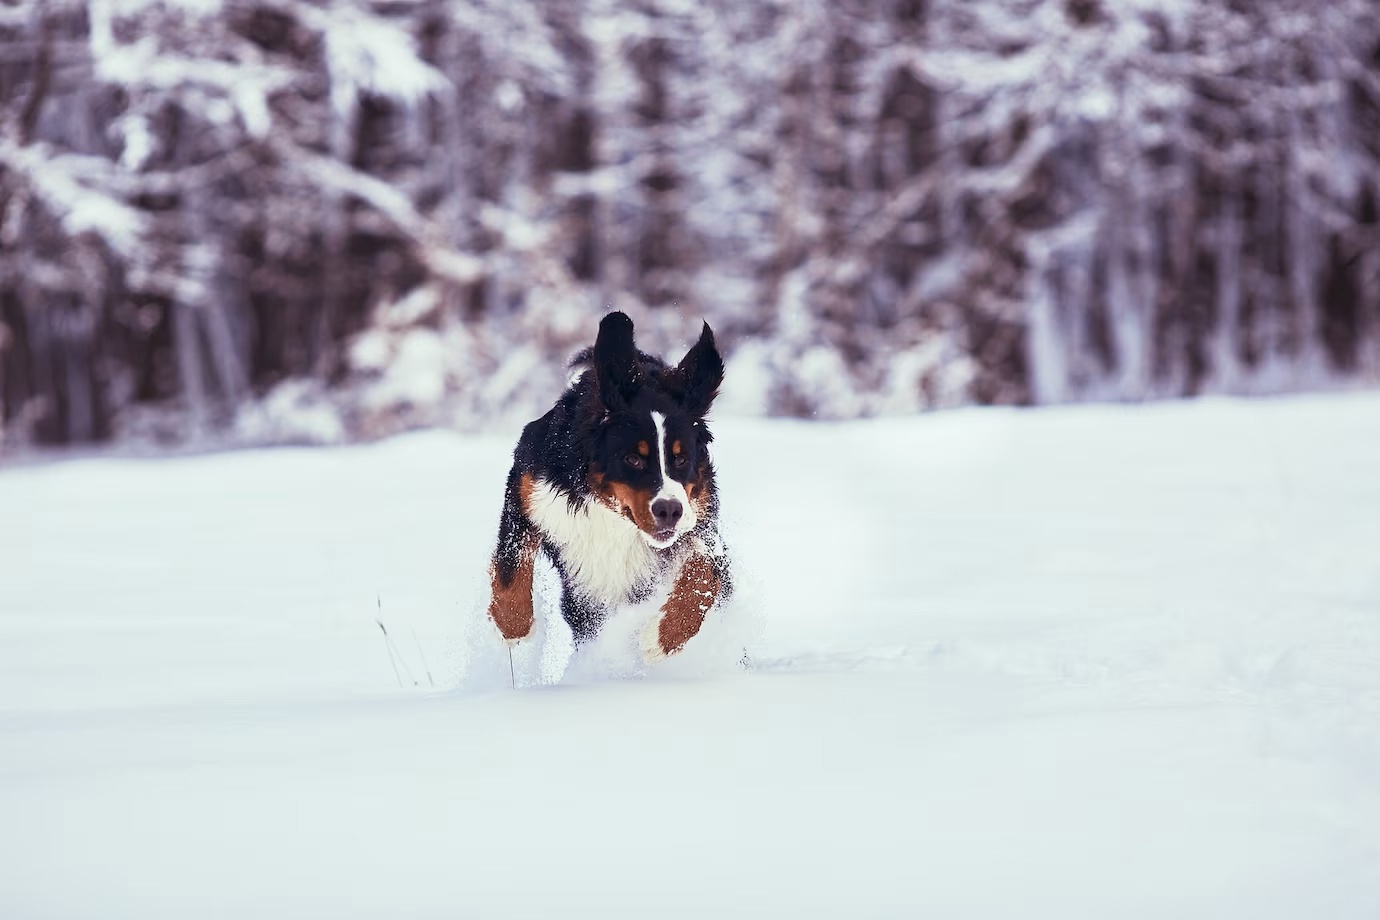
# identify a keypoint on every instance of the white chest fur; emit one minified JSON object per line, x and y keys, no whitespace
{"x":603,"y":553}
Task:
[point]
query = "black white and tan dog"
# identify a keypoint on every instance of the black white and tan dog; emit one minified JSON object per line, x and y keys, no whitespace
{"x":615,"y":486}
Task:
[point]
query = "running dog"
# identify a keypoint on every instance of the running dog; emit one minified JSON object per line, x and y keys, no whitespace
{"x":615,"y":486}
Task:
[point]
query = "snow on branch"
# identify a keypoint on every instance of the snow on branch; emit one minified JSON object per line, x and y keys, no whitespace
{"x":369,"y":54}
{"x":324,"y":172}
{"x":69,"y":186}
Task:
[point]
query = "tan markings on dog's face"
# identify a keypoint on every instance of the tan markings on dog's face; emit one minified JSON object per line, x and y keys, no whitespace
{"x":602,"y":492}
{"x":644,"y":448}
{"x":695,"y":590}
{"x":698,"y":493}
{"x":633,"y":504}
{"x":675,"y":448}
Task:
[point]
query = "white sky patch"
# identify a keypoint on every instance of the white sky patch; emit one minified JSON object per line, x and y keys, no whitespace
{"x":139,"y":142}
{"x":251,"y":101}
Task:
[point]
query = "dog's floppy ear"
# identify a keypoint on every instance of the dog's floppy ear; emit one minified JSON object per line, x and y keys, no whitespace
{"x":701,"y":370}
{"x":615,"y":360}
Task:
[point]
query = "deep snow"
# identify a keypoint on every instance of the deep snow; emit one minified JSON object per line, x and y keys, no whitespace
{"x":1066,"y":663}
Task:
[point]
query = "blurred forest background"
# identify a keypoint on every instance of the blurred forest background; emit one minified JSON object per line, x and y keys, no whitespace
{"x":319,"y":220}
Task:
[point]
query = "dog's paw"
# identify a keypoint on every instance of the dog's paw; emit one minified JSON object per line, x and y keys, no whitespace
{"x":652,"y":642}
{"x":512,"y":629}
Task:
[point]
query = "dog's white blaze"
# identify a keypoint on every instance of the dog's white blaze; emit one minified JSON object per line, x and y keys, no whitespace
{"x":671,"y":489}
{"x":604,"y":553}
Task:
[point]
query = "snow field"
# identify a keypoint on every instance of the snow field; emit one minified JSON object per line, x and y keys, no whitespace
{"x":1093,"y":662}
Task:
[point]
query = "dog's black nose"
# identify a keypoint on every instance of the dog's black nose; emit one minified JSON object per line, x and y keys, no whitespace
{"x":666,"y":512}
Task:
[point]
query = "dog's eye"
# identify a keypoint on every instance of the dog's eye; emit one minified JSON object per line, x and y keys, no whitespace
{"x":634,"y":461}
{"x":680,"y":461}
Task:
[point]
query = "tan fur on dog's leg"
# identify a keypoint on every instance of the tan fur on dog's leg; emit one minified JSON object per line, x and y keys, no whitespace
{"x":510,"y":606}
{"x":695,"y":590}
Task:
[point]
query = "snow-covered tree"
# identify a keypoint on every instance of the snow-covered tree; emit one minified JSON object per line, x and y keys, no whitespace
{"x":318,"y":219}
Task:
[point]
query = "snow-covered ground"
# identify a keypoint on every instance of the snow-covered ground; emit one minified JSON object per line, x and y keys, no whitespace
{"x":1097,"y":662}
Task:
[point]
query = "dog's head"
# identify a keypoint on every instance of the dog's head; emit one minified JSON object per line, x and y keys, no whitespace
{"x":650,"y":455}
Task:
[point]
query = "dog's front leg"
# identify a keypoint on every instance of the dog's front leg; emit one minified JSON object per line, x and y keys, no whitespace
{"x":510,"y":572}
{"x":697,"y":586}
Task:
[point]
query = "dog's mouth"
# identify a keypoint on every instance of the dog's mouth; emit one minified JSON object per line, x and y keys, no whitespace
{"x":662,"y":538}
